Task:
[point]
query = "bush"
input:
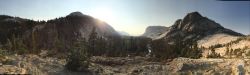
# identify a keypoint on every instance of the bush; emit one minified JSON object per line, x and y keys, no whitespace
{"x":213,"y":54}
{"x":2,"y":53}
{"x":16,"y":44}
{"x":216,"y":46}
{"x":78,"y":59}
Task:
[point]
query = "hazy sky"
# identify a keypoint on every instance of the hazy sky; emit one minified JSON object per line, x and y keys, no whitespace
{"x":133,"y":16}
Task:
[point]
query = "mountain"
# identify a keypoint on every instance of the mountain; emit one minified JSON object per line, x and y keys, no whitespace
{"x":154,"y":31}
{"x":59,"y":33}
{"x":123,"y":33}
{"x":194,"y":26}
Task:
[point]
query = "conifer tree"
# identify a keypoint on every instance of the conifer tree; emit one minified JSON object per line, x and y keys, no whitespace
{"x":92,"y":40}
{"x":78,"y":59}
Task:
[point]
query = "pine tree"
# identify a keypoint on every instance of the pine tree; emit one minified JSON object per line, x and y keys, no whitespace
{"x":92,"y":41}
{"x":78,"y":59}
{"x":213,"y":54}
{"x":231,"y":53}
{"x":227,"y":50}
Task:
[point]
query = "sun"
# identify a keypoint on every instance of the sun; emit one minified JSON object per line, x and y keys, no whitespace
{"x":103,"y":14}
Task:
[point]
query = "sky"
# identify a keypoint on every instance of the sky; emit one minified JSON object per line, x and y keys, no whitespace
{"x":133,"y":16}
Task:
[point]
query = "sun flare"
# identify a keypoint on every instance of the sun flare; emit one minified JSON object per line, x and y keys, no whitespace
{"x":103,"y":14}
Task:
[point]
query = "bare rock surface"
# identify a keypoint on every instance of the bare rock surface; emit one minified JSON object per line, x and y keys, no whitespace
{"x":36,"y":65}
{"x":140,"y":66}
{"x":155,"y":31}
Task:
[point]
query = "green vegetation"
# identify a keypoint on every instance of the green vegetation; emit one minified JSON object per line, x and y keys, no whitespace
{"x":135,"y":45}
{"x":96,"y":43}
{"x":78,"y":59}
{"x":213,"y":54}
{"x":216,"y":46}
{"x":236,"y":52}
{"x":12,"y":30}
{"x":3,"y":52}
{"x":236,"y":41}
{"x":117,"y":46}
{"x":229,"y":44}
{"x":229,"y":51}
{"x":188,"y":48}
{"x":16,"y":44}
{"x":15,"y":26}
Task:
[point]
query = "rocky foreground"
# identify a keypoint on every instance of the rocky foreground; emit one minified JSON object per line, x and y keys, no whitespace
{"x":39,"y":65}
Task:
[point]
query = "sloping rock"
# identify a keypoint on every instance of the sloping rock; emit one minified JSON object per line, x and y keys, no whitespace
{"x":154,"y":31}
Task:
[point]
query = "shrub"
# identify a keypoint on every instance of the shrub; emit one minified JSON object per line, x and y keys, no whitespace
{"x":213,"y":54}
{"x":2,"y":53}
{"x":16,"y":44}
{"x":216,"y":46}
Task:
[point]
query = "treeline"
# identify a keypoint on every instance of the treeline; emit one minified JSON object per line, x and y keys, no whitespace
{"x":178,"y":48}
{"x":81,"y":50}
{"x":230,"y":43}
{"x":15,"y":26}
{"x":238,"y":52}
{"x":12,"y":30}
{"x":117,"y":46}
{"x":230,"y":52}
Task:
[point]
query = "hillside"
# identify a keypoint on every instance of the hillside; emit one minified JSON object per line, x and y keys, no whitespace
{"x":235,"y":47}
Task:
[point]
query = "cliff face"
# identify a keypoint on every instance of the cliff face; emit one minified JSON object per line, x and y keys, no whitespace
{"x":154,"y":31}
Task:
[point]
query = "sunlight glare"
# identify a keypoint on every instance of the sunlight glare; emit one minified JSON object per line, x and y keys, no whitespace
{"x":103,"y":14}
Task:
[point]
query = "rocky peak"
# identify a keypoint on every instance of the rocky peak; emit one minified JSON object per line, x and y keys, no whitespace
{"x":193,"y":16}
{"x":195,"y":22}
